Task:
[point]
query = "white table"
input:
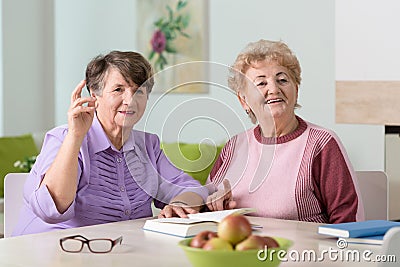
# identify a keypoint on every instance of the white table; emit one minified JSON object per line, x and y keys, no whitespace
{"x":142,"y":248}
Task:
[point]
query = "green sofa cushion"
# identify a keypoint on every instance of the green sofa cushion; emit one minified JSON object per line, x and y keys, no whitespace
{"x":14,"y":148}
{"x":196,"y":160}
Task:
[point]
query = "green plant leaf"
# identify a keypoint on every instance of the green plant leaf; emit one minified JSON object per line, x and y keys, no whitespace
{"x":159,"y":22}
{"x":151,"y":55}
{"x":170,"y":13}
{"x":185,"y":20}
{"x":169,"y":48}
{"x":184,"y":34}
{"x":181,"y":4}
{"x":163,"y":59}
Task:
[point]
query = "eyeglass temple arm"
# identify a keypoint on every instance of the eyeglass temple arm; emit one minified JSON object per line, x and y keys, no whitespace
{"x":118,"y":240}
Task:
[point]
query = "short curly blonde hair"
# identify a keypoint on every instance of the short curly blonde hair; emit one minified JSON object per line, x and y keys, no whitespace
{"x":259,"y":51}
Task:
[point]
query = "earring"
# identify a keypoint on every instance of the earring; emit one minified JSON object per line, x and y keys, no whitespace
{"x":247,"y":111}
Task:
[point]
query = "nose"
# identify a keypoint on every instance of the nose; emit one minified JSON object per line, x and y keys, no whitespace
{"x":128,"y":95}
{"x":272,"y":88}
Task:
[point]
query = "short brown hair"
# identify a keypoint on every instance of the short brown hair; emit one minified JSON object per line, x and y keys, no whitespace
{"x":132,"y":66}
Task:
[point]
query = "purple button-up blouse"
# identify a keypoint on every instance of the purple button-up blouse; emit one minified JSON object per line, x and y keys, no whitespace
{"x":112,"y":185}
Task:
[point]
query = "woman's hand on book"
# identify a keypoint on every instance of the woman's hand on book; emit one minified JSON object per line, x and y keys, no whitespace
{"x":182,"y":204}
{"x":176,"y":209}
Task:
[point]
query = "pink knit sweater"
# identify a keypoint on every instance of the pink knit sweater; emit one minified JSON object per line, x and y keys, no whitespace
{"x":305,"y":175}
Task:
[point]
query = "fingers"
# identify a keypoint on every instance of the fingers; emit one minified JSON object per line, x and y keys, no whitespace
{"x":83,"y":100}
{"x":231,"y":205}
{"x":219,"y":203}
{"x":78,"y":102}
{"x":179,"y":211}
{"x":167,"y":211}
{"x":227,"y":185}
{"x":209,"y":202}
{"x":171,"y":210}
{"x":77,"y":91}
{"x":216,"y":201}
{"x":221,"y":199}
{"x":161,"y":214}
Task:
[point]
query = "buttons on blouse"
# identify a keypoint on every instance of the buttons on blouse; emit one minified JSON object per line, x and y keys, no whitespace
{"x":122,"y":188}
{"x":119,"y":160}
{"x":127,"y":212}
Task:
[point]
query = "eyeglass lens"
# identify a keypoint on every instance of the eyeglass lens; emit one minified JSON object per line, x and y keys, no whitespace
{"x":72,"y":245}
{"x":100,"y":245}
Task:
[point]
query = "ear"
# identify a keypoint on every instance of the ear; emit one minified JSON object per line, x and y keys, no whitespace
{"x":242,"y":101}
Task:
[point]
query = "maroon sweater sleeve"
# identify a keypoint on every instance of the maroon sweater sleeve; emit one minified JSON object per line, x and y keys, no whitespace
{"x":222,"y":161}
{"x":334,"y":185}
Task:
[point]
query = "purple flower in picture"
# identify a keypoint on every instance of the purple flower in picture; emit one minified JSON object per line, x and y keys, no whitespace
{"x":158,"y":41}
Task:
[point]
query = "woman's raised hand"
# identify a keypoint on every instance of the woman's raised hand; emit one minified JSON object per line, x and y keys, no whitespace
{"x":80,"y":115}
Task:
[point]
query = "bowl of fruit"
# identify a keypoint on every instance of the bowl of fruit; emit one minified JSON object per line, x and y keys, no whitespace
{"x":233,"y":245}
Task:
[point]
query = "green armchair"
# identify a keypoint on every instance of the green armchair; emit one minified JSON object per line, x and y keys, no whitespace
{"x":12,"y":149}
{"x":196,"y":160}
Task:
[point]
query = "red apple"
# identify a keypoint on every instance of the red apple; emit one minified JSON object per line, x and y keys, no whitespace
{"x":217,"y":243}
{"x":271,"y":242}
{"x":201,"y":238}
{"x":234,"y":228}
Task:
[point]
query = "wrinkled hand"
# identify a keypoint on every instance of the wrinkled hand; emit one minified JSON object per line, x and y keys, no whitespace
{"x":222,"y":199}
{"x":176,"y":210}
{"x":80,"y":117}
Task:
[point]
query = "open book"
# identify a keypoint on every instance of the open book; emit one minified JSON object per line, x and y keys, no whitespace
{"x":196,"y":223}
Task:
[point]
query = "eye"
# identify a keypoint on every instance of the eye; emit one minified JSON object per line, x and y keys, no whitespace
{"x":118,"y":89}
{"x":282,"y":80}
{"x":261,"y":84}
{"x":139,"y":91}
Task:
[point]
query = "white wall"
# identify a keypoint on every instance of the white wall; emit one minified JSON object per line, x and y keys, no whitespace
{"x":27,"y":67}
{"x":83,"y":29}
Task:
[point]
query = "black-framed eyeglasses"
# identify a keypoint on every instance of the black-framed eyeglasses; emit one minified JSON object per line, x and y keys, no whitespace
{"x":75,"y":243}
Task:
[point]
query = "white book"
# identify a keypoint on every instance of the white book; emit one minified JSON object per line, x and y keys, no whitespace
{"x":194,"y":224}
{"x":372,"y":240}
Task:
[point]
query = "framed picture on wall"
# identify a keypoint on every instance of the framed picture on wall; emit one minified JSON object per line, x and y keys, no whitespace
{"x":173,"y":36}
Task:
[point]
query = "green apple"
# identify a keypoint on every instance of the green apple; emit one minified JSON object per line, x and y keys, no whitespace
{"x":217,"y":243}
{"x":252,"y":242}
{"x":234,"y":229}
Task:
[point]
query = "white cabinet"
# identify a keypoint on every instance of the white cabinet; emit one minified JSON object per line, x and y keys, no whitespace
{"x":392,"y":168}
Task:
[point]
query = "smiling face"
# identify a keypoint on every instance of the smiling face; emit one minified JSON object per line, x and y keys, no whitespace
{"x":121,"y":104}
{"x":270,"y":92}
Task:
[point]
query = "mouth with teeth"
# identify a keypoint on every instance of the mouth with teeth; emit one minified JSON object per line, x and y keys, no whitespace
{"x":272,"y":101}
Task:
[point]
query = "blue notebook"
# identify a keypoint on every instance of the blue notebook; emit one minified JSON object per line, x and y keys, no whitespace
{"x":357,"y":229}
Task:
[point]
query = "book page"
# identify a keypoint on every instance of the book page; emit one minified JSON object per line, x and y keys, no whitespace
{"x":178,"y":220}
{"x":212,"y":216}
{"x":217,"y":216}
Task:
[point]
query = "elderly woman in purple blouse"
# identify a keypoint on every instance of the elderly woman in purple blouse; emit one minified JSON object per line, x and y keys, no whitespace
{"x":97,"y":169}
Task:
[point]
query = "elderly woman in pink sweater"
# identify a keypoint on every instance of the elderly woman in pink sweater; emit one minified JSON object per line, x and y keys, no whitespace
{"x":284,"y":166}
